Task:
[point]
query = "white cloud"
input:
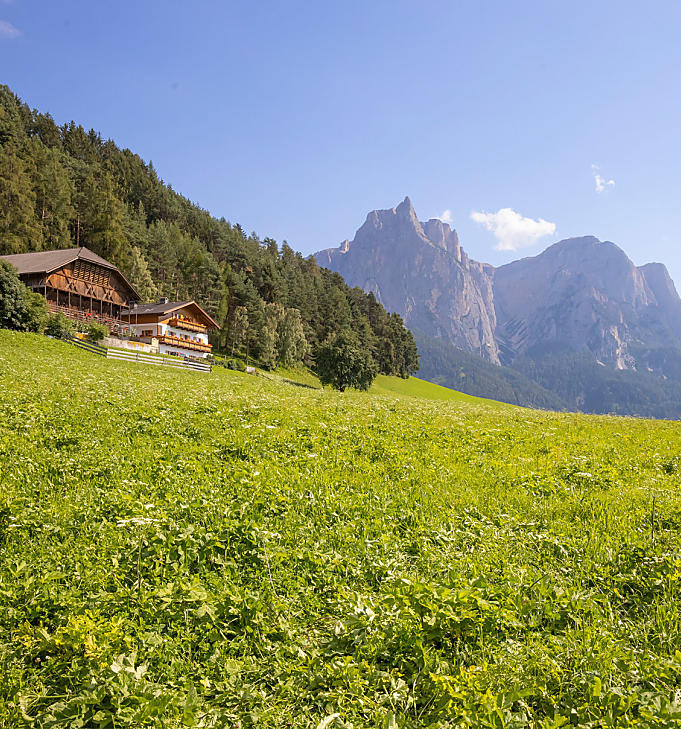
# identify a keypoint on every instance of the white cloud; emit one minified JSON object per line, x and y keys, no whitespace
{"x":512,"y":230}
{"x":7,"y":30}
{"x":446,"y":217}
{"x":601,"y":182}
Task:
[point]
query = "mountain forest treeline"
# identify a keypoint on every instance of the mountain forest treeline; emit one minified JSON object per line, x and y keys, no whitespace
{"x":62,"y":186}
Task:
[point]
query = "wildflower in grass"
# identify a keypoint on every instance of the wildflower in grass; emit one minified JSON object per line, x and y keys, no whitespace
{"x":136,"y":521}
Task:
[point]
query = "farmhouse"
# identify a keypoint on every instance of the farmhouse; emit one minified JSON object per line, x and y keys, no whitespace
{"x":179,"y":327}
{"x":78,"y":283}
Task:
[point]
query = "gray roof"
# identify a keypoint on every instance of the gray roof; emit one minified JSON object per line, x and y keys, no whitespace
{"x":46,"y":261}
{"x":160,"y":308}
{"x":167,"y":308}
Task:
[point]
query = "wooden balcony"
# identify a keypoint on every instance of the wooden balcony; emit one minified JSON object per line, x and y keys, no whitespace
{"x":180,"y":322}
{"x":112,"y":323}
{"x":184,"y":343}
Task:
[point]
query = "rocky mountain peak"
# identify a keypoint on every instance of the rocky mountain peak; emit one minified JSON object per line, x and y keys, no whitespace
{"x":419,"y":271}
{"x":580,"y":293}
{"x":400,"y":221}
{"x":443,"y":236}
{"x":405,"y":209}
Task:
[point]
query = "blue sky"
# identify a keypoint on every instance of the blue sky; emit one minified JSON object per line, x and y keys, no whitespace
{"x":295,"y":119}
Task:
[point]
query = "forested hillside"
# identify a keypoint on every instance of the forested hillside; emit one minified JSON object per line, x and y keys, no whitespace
{"x":447,"y":365}
{"x":62,"y":186}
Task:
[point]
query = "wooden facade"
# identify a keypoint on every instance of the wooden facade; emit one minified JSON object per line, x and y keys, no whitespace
{"x":78,"y":283}
{"x":177,"y":327}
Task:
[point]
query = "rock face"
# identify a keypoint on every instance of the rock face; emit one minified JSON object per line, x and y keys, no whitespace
{"x":420,"y":271}
{"x":581,"y":293}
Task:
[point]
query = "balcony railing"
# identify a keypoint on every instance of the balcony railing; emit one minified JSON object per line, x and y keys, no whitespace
{"x":112,"y":323}
{"x":191,"y":326}
{"x":184,"y":343}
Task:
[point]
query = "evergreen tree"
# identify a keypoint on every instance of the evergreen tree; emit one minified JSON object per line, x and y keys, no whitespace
{"x":53,"y":192}
{"x":238,"y":327}
{"x":135,"y":227}
{"x":104,"y":220}
{"x":268,"y":336}
{"x":164,"y":243}
{"x":44,"y":129}
{"x":140,"y":278}
{"x":12,"y":115}
{"x":19,"y":230}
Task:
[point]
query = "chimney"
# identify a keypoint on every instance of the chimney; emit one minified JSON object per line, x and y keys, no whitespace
{"x":164,"y":300}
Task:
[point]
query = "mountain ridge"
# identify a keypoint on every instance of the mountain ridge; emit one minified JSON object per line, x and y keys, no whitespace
{"x":579,"y":295}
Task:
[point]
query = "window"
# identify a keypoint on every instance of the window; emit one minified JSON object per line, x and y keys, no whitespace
{"x":147,"y":333}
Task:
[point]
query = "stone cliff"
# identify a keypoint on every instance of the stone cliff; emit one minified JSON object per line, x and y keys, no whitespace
{"x":420,"y":271}
{"x":580,"y":294}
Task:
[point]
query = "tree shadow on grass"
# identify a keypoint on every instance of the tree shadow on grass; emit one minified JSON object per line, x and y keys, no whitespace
{"x":300,"y":384}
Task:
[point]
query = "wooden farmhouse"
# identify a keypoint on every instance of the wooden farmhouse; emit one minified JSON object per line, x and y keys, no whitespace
{"x":78,"y":283}
{"x":179,"y":327}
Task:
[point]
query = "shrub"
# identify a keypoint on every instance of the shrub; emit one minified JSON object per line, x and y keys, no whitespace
{"x":96,"y":331}
{"x":234,"y":364}
{"x":59,"y":327}
{"x":11,"y":298}
{"x":20,"y":308}
{"x":36,"y":313}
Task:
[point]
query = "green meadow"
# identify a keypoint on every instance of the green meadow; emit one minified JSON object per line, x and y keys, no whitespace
{"x":188,"y":550}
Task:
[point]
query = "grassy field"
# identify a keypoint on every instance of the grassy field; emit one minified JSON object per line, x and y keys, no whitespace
{"x":383,"y":385}
{"x":180,"y":549}
{"x":413,"y":387}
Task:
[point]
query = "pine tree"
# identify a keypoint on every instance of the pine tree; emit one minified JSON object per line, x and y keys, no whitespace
{"x":53,"y":191}
{"x":135,"y":227}
{"x":238,"y":328}
{"x":104,"y":220}
{"x":140,"y":278}
{"x":46,"y":130}
{"x":12,"y":117}
{"x":19,"y":231}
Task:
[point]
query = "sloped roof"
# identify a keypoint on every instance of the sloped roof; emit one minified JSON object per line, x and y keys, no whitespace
{"x":168,"y":308}
{"x":48,"y":261}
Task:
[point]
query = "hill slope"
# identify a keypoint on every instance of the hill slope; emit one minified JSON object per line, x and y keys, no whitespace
{"x":61,"y":187}
{"x":184,"y":549}
{"x":449,"y":366}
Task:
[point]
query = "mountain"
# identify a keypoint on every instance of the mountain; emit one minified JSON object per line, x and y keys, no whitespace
{"x":420,"y":271}
{"x":585,"y":295}
{"x":581,"y":301}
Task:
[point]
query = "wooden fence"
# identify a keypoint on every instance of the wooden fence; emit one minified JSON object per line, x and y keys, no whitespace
{"x":131,"y":356}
